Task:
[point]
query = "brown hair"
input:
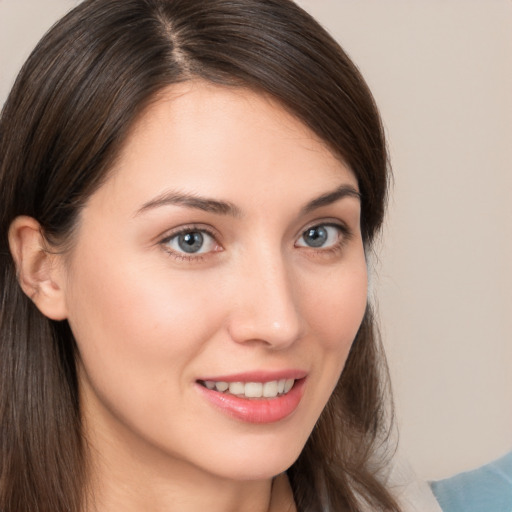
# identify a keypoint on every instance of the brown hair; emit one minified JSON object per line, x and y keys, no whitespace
{"x":62,"y":127}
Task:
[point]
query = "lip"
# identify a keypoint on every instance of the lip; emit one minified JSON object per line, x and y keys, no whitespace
{"x":257,"y":410}
{"x":258,"y":376}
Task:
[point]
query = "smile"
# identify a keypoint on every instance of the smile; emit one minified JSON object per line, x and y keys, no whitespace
{"x":270,"y":389}
{"x":257,"y":398}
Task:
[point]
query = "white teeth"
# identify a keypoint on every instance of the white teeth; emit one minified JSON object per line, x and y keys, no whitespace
{"x":221,"y":386}
{"x":253,"y":390}
{"x":269,"y":389}
{"x":237,"y":388}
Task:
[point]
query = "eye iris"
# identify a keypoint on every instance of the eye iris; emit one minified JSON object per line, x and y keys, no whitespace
{"x":316,"y":237}
{"x":191,"y":242}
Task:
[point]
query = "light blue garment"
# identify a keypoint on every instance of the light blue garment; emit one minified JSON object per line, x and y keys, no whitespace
{"x":487,"y":489}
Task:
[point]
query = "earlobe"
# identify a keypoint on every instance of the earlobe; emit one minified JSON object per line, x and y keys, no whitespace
{"x":40,"y":272}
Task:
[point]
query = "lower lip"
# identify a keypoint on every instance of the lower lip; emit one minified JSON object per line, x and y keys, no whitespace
{"x":256,"y":410}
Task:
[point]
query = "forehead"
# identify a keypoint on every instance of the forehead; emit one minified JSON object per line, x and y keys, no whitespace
{"x":227,"y":142}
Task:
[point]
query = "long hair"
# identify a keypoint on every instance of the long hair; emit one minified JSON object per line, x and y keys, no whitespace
{"x":61,"y":129}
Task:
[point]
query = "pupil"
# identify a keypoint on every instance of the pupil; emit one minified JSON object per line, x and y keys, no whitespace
{"x":191,"y":242}
{"x":315,"y":237}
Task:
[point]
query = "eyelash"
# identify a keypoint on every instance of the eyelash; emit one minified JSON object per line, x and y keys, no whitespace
{"x":345,"y":234}
{"x":192,"y":228}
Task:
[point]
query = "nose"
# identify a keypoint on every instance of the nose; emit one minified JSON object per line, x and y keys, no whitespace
{"x":266,"y":303}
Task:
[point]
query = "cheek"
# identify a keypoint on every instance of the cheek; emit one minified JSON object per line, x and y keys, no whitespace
{"x":337,"y":308}
{"x":138,"y":331}
{"x":131,"y":319}
{"x":334,"y":314}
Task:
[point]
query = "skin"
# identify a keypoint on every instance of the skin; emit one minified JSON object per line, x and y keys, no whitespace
{"x":150,"y":320}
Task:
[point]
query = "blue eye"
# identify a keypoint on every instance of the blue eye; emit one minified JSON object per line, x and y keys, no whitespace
{"x":320,"y":236}
{"x":191,"y":242}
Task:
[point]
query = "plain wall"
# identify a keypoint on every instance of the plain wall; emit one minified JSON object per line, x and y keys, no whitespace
{"x":441,"y":72}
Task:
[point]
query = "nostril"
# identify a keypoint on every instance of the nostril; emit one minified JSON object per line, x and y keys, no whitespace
{"x":265,"y":302}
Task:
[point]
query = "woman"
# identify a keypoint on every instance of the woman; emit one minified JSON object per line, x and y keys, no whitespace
{"x":190,"y":189}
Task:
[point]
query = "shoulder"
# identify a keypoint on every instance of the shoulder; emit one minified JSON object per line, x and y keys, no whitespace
{"x":486,"y":489}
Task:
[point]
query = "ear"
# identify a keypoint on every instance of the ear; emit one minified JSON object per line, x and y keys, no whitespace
{"x":40,"y":272}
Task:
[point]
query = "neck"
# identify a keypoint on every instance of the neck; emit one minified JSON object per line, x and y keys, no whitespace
{"x":137,"y":489}
{"x":140,"y":479}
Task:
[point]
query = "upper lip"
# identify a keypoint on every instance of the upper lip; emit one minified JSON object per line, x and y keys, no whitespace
{"x":258,"y":376}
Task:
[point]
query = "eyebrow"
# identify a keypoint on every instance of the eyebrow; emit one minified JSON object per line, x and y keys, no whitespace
{"x":226,"y":208}
{"x":331,"y":197}
{"x":191,"y":201}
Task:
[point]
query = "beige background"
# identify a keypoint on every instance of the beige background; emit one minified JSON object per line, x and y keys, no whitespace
{"x":441,"y":71}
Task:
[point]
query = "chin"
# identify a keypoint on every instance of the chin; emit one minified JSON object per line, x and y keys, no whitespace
{"x":261,"y":461}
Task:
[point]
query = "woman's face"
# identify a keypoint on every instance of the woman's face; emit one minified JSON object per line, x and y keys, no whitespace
{"x":223,"y":252}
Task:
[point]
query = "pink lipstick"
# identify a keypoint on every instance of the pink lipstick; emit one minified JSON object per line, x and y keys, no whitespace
{"x":255,"y":397}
